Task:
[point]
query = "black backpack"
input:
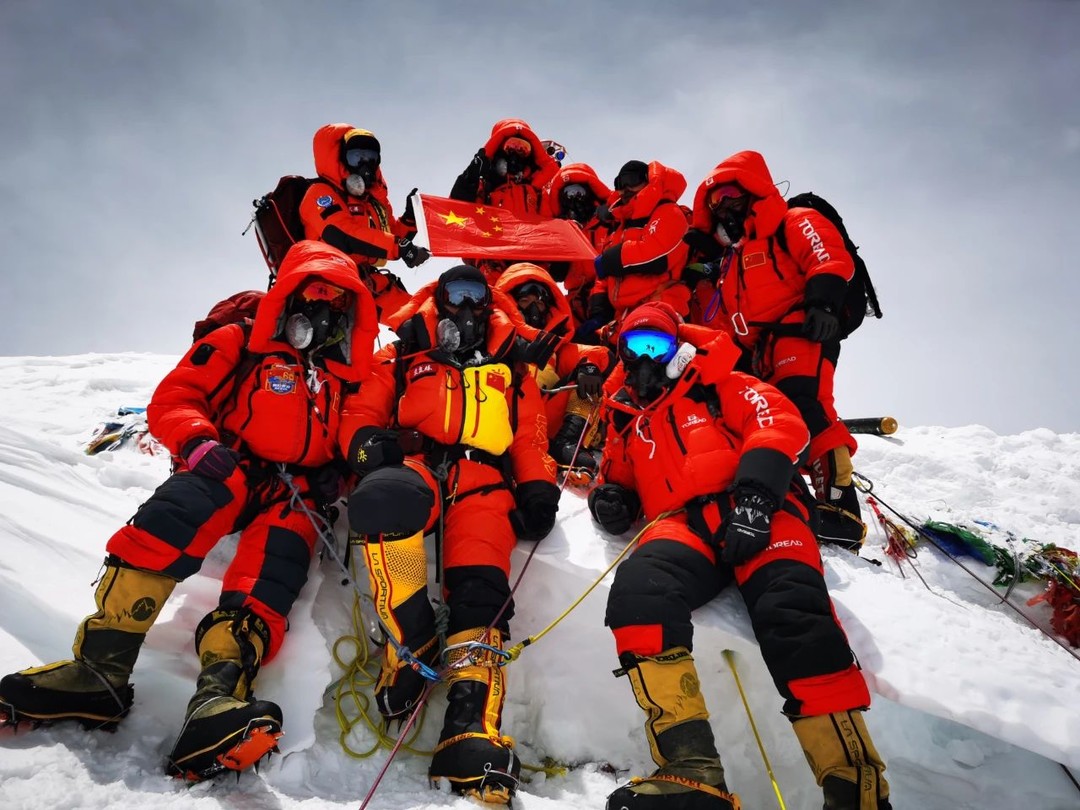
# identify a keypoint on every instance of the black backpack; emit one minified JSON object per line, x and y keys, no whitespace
{"x":277,"y":220}
{"x":861,"y":299}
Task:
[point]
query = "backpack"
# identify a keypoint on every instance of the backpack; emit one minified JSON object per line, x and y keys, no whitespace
{"x":861,"y":298}
{"x":277,"y":220}
{"x":237,"y":308}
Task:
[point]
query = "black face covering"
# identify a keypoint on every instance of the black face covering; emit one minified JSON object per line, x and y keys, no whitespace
{"x":535,"y":315}
{"x":462,"y":331}
{"x":310,"y":325}
{"x":645,"y":377}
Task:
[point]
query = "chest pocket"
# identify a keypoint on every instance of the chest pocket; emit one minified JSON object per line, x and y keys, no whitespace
{"x":485,"y":414}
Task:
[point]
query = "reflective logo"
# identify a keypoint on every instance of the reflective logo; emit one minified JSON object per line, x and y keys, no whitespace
{"x":281,"y":380}
{"x":814,"y":238}
{"x":324,"y":201}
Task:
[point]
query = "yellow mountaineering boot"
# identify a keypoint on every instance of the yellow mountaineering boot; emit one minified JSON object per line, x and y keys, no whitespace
{"x":472,"y":754}
{"x":93,"y":688}
{"x":397,"y":575}
{"x":225,"y":726}
{"x":690,"y":776}
{"x":839,"y":514}
{"x":844,"y":761}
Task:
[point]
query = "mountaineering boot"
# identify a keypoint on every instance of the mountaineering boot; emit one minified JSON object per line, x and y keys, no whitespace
{"x":472,"y":754}
{"x":397,"y":574}
{"x":565,"y":443}
{"x":844,"y":761}
{"x":839,"y":514}
{"x":690,"y":776}
{"x":93,"y":688}
{"x":225,"y":727}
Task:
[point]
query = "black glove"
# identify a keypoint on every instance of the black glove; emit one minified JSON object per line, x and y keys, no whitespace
{"x":703,"y":244}
{"x":537,"y":503}
{"x":539,"y":351}
{"x":209,"y":458}
{"x":590,"y":383}
{"x":821,"y":324}
{"x":411,"y":254}
{"x":325,"y":484}
{"x":614,"y":507}
{"x":372,"y":448}
{"x":600,"y":308}
{"x":479,"y":168}
{"x":748,"y":527}
{"x":409,"y":217}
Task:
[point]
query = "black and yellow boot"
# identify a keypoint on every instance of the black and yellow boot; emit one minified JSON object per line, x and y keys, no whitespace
{"x":568,"y":448}
{"x":472,"y":755}
{"x":839,"y":513}
{"x":93,"y":688}
{"x":690,"y":776}
{"x":397,"y":575}
{"x":844,"y":761}
{"x":225,"y":727}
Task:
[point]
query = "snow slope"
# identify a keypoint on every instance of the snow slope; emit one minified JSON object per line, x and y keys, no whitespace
{"x":974,"y":707}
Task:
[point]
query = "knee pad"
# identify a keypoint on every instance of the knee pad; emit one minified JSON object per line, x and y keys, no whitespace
{"x":391,"y":500}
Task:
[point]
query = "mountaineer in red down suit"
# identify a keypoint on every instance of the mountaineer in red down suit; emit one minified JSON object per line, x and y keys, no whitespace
{"x":509,"y":171}
{"x":450,"y":433}
{"x":252,"y":421}
{"x":578,"y":194}
{"x":645,"y":254}
{"x":348,"y":207}
{"x":719,"y":448}
{"x":546,"y":312}
{"x":781,"y":280}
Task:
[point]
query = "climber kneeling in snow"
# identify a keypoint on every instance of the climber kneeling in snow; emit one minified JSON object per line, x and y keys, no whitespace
{"x":688,"y":435}
{"x":450,"y":436}
{"x":252,"y":422}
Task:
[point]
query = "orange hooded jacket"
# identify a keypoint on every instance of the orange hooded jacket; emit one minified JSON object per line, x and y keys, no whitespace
{"x":580,"y":275}
{"x":445,"y":403}
{"x":568,"y":356}
{"x":760,"y":283}
{"x":263,"y":397}
{"x":646,"y":255}
{"x":363,"y":227}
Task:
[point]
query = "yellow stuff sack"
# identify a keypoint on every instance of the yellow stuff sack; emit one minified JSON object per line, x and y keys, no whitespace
{"x":486,"y":417}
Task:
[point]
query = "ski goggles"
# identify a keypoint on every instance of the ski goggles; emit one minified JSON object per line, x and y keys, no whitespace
{"x":337,"y":297}
{"x":729,"y":196}
{"x":517,"y":146}
{"x":457,"y":292}
{"x":533,"y":288}
{"x":355,"y":158}
{"x":656,"y":345}
{"x":574,"y":192}
{"x":556,"y":150}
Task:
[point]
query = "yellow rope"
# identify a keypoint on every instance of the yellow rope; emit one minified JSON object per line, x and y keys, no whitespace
{"x":729,"y":656}
{"x":352,"y":691}
{"x":517,"y":649}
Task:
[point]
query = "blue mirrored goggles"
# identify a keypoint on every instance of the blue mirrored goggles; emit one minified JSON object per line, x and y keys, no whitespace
{"x":637,"y":343}
{"x":460,"y":290}
{"x":358,"y":157}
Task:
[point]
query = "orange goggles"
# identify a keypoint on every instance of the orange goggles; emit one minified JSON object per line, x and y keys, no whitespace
{"x":337,"y":297}
{"x":517,"y":146}
{"x":727,"y":195}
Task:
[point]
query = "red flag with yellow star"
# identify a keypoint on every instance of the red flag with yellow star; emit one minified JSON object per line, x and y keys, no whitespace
{"x":456,"y":228}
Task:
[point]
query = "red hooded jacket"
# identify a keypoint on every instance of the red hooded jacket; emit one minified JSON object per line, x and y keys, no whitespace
{"x":363,"y":227}
{"x":263,"y":397}
{"x":761,"y":283}
{"x":646,"y":255}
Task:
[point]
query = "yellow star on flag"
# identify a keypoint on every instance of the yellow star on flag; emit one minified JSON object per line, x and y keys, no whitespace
{"x":453,"y":219}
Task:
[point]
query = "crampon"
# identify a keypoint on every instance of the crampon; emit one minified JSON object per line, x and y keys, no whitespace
{"x":259,"y":739}
{"x":577,"y":477}
{"x":484,"y":794}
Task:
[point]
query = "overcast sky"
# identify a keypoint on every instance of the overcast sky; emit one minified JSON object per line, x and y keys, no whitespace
{"x":134,"y":136}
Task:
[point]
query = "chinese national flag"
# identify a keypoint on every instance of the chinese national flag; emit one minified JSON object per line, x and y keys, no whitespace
{"x":456,"y":228}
